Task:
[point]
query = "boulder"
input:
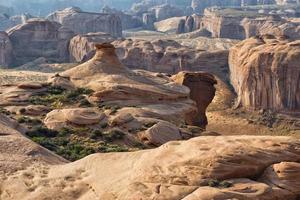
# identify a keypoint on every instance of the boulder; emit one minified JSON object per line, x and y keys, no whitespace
{"x":160,"y":133}
{"x":85,"y":22}
{"x":283,"y":175}
{"x":202,"y":89}
{"x":6,"y":50}
{"x":58,"y":119}
{"x":265,"y":71}
{"x":39,"y":38}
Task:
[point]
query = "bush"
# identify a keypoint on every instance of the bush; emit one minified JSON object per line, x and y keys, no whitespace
{"x":219,"y":184}
{"x":96,"y":134}
{"x":42,"y":132}
{"x":28,"y":120}
{"x":112,"y":135}
{"x":4,"y":111}
{"x":58,"y":97}
{"x":107,"y":148}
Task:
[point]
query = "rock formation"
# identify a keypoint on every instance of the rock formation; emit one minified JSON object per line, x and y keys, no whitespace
{"x":271,"y":25}
{"x":168,"y":56}
{"x":83,"y":22}
{"x":265,"y":73}
{"x":240,"y":24}
{"x":81,"y":45}
{"x":113,"y":82}
{"x":148,"y":21}
{"x":128,"y":21}
{"x":166,"y":11}
{"x":201,"y":168}
{"x":7,"y":22}
{"x":39,"y":38}
{"x":6,"y":50}
{"x":202,"y":89}
{"x":18,"y":152}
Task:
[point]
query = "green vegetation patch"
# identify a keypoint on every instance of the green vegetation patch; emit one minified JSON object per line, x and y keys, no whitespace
{"x":77,"y":143}
{"x":219,"y":184}
{"x":57,"y":97}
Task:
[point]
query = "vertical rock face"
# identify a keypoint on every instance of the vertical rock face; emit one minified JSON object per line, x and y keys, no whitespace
{"x":271,"y":25}
{"x":7,"y":22}
{"x":265,"y":73}
{"x":202,"y":92}
{"x":81,"y":45}
{"x":200,"y":5}
{"x":5,"y":50}
{"x":84,"y":22}
{"x":128,"y":21}
{"x":40,"y":38}
{"x":148,"y":21}
{"x":237,"y":24}
{"x":166,"y":11}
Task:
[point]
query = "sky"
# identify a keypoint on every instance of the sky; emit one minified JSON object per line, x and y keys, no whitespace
{"x":44,"y":7}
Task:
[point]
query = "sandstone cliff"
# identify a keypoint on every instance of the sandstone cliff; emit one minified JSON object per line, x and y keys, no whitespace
{"x":39,"y":38}
{"x":238,"y":24}
{"x":83,"y":22}
{"x":202,"y":92}
{"x":6,"y":50}
{"x":169,"y":56}
{"x":265,"y":73}
{"x":81,"y":45}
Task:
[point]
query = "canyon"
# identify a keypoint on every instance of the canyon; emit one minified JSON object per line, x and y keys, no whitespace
{"x":150,"y":99}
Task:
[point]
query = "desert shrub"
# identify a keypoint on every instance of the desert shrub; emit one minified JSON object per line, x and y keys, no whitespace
{"x":40,"y":131}
{"x":45,"y":142}
{"x":96,"y":134}
{"x":104,"y":125}
{"x":114,"y":134}
{"x":55,"y":90}
{"x":107,"y":148}
{"x":58,"y":97}
{"x":4,"y":111}
{"x":74,"y":151}
{"x":65,"y":131}
{"x":219,"y":184}
{"x":28,"y":120}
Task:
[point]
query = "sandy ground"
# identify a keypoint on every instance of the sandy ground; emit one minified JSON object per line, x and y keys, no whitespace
{"x":230,"y":124}
{"x":12,"y":76}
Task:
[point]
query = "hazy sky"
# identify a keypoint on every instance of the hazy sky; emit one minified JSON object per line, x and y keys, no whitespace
{"x":43,"y":7}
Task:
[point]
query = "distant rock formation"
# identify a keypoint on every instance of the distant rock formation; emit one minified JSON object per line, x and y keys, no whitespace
{"x":271,"y":25}
{"x":265,"y":73}
{"x":202,"y":92}
{"x":148,"y":21}
{"x":81,"y":46}
{"x":166,"y":11}
{"x":39,"y":38}
{"x":6,"y":50}
{"x":168,"y":56}
{"x":7,"y":22}
{"x":84,"y":22}
{"x":128,"y":21}
{"x":226,"y":24}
